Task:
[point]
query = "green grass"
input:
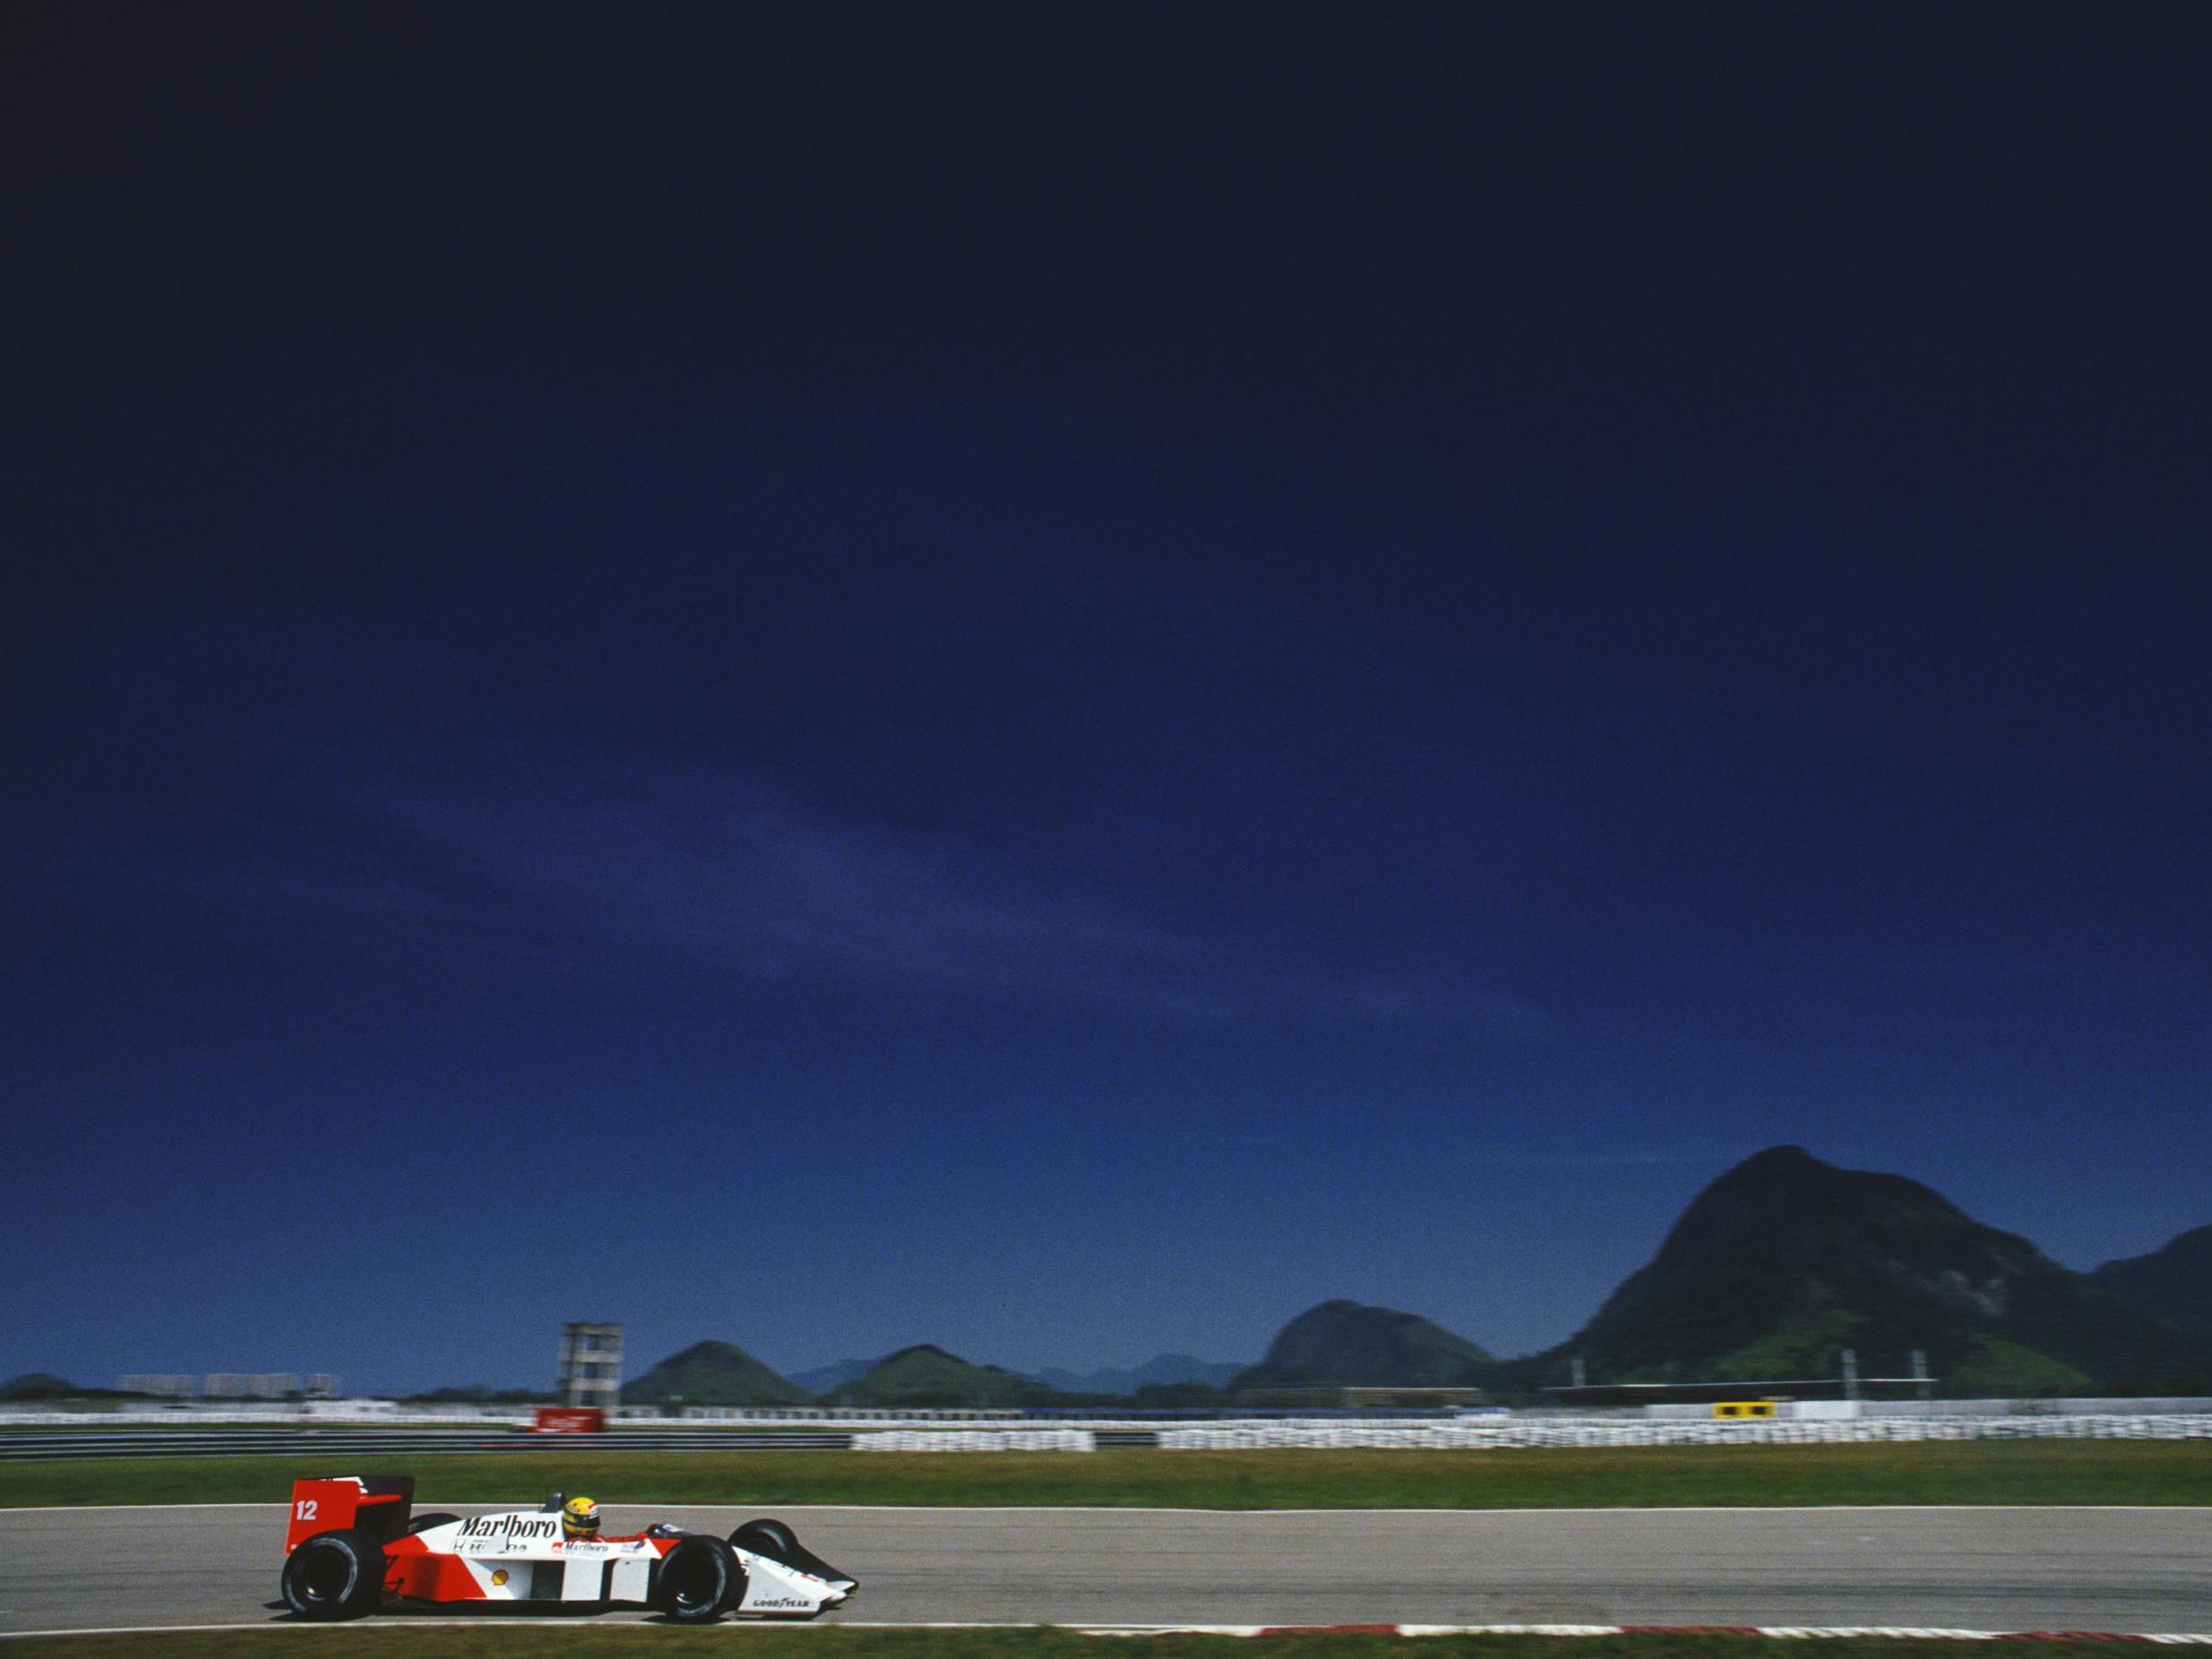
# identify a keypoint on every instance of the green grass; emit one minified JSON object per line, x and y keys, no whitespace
{"x":1997,"y":1472}
{"x":394,"y":1637}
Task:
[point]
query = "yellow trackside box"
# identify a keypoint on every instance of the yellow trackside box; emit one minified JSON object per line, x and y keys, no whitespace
{"x":1743,"y":1409}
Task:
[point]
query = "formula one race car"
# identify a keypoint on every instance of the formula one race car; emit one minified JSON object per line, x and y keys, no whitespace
{"x":354,"y":1545}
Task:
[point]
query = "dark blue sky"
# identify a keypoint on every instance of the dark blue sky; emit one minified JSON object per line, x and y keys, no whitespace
{"x":1062,"y":678}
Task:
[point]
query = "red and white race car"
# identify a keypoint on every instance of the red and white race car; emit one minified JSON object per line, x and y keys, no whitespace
{"x":354,"y":1545}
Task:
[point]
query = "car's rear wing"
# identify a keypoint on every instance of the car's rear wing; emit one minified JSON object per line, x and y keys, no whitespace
{"x":379,"y":1505}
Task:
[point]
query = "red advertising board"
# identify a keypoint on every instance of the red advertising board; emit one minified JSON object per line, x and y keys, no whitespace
{"x":571,"y":1420}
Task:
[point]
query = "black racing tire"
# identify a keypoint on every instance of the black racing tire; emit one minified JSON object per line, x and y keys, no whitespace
{"x":334,"y":1575}
{"x":424,"y":1523}
{"x":771,"y":1538}
{"x":700,"y":1581}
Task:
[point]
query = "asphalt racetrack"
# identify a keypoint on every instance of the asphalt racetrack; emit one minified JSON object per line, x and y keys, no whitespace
{"x":2123,"y":1570}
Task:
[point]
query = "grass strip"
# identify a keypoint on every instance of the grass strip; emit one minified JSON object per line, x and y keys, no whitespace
{"x":372,"y":1641}
{"x":1992,"y":1472}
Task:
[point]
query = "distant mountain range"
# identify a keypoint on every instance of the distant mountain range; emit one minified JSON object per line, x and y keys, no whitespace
{"x":36,"y":1385}
{"x":720,"y":1373}
{"x":2173,"y":1283}
{"x":822,"y":1378}
{"x":1163,"y":1371}
{"x":1776,"y":1267}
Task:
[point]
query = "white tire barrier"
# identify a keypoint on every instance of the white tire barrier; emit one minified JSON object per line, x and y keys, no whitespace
{"x":978,"y":1440}
{"x":1747,"y":1432}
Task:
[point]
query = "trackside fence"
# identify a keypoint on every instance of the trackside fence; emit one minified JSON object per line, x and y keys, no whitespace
{"x":402,"y":1442}
{"x":1486,"y":1434}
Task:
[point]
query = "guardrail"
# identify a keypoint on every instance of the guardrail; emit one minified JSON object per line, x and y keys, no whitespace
{"x":380,"y":1416}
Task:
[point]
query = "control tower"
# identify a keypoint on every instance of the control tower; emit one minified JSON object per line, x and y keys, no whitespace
{"x":591,"y":1365}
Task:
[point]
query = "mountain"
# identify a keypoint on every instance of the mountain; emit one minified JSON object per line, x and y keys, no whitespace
{"x":1342,"y":1344}
{"x":36,"y":1385}
{"x":713,"y":1373}
{"x":822,"y":1378}
{"x":2173,"y":1282}
{"x":1784,"y":1260}
{"x":925,"y":1375}
{"x":1162,"y":1372}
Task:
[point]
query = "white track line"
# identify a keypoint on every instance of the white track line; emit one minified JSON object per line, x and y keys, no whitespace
{"x":1411,"y":1631}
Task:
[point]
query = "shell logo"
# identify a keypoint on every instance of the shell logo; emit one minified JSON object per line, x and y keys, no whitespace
{"x":500,"y":1576}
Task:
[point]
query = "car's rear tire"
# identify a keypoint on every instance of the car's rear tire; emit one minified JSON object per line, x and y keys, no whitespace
{"x":424,"y":1523}
{"x":334,"y":1575}
{"x":700,"y":1581}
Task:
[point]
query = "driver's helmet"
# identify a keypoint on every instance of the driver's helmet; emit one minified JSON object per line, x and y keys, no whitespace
{"x":579,"y":1518}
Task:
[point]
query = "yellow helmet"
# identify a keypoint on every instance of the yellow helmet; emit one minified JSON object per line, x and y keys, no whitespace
{"x":579,"y":1518}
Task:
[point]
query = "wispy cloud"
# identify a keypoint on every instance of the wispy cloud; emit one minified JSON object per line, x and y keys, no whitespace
{"x":746,"y":882}
{"x":1627,"y":1159}
{"x":1461,"y":1150}
{"x":725,"y":869}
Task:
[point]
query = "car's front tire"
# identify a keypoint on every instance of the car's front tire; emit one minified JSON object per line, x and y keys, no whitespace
{"x":772,"y":1539}
{"x":700,"y":1581}
{"x":334,"y":1575}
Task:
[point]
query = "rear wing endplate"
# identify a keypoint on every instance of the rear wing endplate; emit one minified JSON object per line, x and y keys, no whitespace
{"x":378,"y":1504}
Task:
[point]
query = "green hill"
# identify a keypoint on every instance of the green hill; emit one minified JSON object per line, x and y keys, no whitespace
{"x":2172,"y":1284}
{"x":1784,"y":1260}
{"x":36,"y":1385}
{"x":1344,"y":1344}
{"x":713,"y":1373}
{"x":927,"y":1376}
